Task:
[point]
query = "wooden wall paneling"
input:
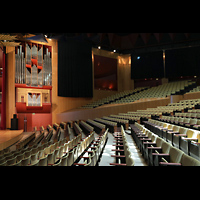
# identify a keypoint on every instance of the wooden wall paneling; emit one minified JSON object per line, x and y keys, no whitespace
{"x":124,"y":73}
{"x":10,"y":85}
{"x":192,"y":95}
{"x":105,"y":111}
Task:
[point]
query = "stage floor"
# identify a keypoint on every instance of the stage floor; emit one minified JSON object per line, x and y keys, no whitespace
{"x":9,"y":137}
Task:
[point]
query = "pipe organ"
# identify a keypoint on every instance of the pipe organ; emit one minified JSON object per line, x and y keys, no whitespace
{"x":33,"y":77}
{"x":33,"y":64}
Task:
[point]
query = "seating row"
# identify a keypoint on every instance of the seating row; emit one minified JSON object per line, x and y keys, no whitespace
{"x":122,"y":153}
{"x":157,"y":151}
{"x":30,"y":155}
{"x":194,"y":111}
{"x":181,"y":121}
{"x":92,"y":154}
{"x":109,"y":124}
{"x":26,"y":138}
{"x":188,"y":114}
{"x":86,"y":127}
{"x":49,"y":152}
{"x":113,"y":98}
{"x":120,"y":122}
{"x":196,"y":89}
{"x":98,"y":127}
{"x":47,"y":138}
{"x":164,"y":90}
{"x":131,"y":120}
{"x":183,"y":138}
{"x":77,"y":129}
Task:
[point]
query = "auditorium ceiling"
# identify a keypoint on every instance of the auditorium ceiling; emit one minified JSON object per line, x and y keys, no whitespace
{"x":128,"y":42}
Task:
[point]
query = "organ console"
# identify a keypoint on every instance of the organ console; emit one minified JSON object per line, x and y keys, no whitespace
{"x":33,"y":100}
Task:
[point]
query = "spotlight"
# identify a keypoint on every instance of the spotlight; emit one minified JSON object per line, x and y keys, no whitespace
{"x":99,"y":47}
{"x":114,"y":50}
{"x":138,"y":57}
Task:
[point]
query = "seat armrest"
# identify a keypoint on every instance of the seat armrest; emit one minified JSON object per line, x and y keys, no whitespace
{"x":174,"y":132}
{"x":162,"y":128}
{"x":197,"y":125}
{"x":118,"y":156}
{"x":190,"y":139}
{"x":117,"y":150}
{"x":85,"y":157}
{"x":80,"y":164}
{"x":149,"y":143}
{"x":147,"y":139}
{"x":169,"y":164}
{"x":88,"y":151}
{"x":142,"y":136}
{"x":154,"y":148}
{"x":181,"y":135}
{"x":160,"y":154}
{"x":117,"y":164}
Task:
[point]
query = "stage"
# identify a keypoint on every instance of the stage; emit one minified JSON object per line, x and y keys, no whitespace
{"x":9,"y":137}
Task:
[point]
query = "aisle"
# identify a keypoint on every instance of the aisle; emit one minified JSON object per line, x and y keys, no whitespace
{"x":106,"y":158}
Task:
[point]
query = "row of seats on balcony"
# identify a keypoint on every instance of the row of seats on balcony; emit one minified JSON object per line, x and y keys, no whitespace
{"x":113,"y":98}
{"x":171,"y":88}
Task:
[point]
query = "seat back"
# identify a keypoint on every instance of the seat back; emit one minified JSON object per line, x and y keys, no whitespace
{"x":130,"y":161}
{"x":181,"y":119}
{"x":34,"y":158}
{"x":175,"y":155}
{"x":189,"y":161}
{"x":182,"y":130}
{"x":166,"y":147}
{"x":187,"y":120}
{"x":170,"y":127}
{"x":64,"y":160}
{"x":43,"y":161}
{"x":88,"y":163}
{"x":51,"y":158}
{"x":149,"y":134}
{"x":70,"y":160}
{"x":26,"y":161}
{"x":193,"y":121}
{"x":190,"y":133}
{"x":176,"y":128}
{"x":11,"y":161}
{"x":159,"y":141}
{"x":154,"y":137}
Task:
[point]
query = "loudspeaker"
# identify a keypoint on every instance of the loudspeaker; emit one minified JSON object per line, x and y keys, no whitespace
{"x":14,"y":122}
{"x":15,"y":116}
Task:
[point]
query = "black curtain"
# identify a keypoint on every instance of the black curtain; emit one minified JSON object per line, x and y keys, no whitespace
{"x":75,"y":78}
{"x":182,"y":62}
{"x":147,"y":65}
